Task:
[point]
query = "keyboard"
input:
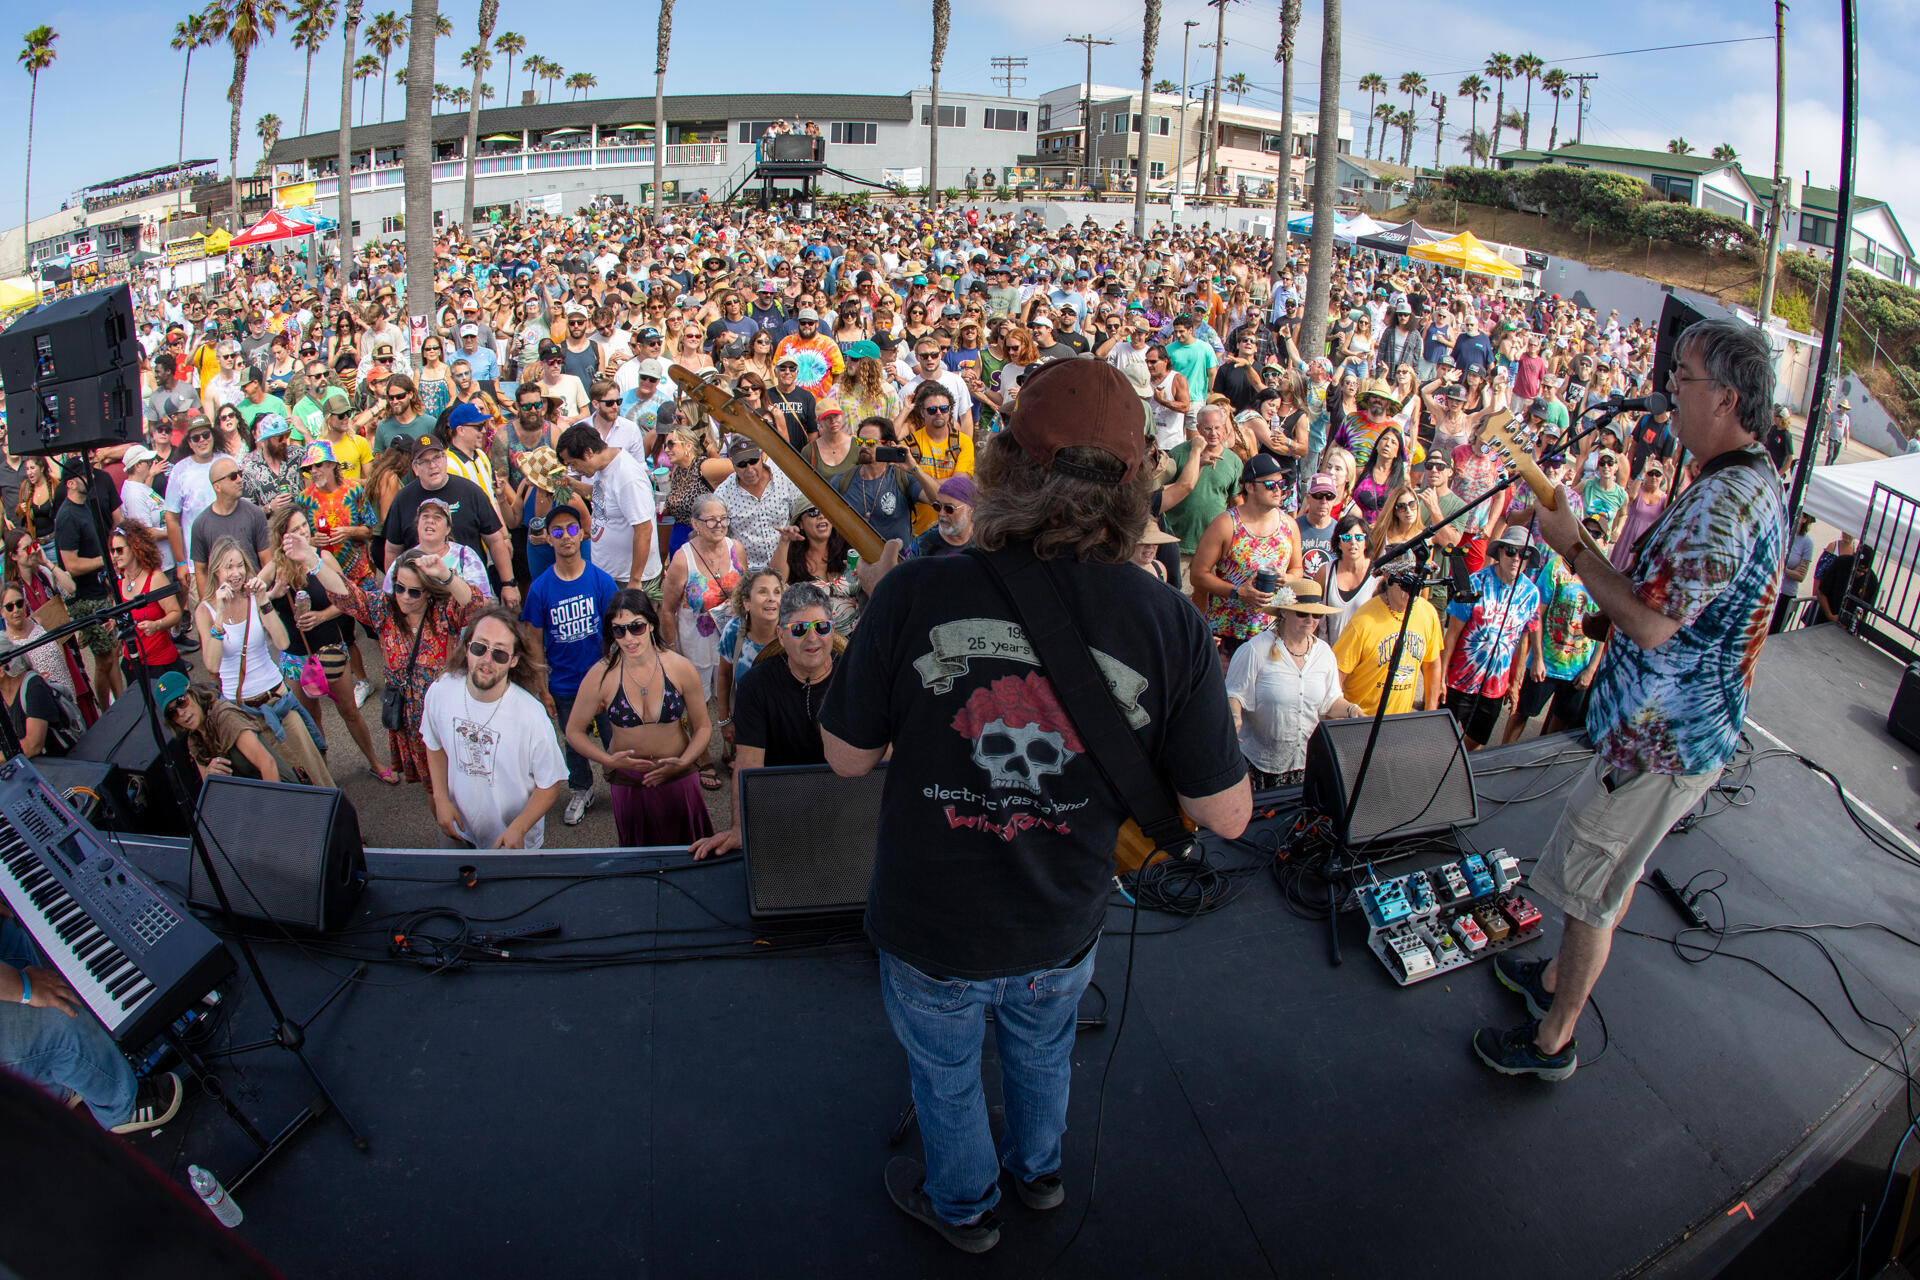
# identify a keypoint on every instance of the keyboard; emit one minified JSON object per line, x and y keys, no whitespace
{"x":135,"y":959}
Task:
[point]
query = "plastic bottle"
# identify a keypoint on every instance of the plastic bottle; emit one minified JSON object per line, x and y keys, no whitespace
{"x":214,"y":1196}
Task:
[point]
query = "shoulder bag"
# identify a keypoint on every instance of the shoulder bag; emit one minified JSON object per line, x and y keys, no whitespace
{"x":393,"y":696}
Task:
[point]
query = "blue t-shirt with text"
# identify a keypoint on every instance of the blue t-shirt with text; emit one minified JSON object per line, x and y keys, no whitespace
{"x":568,"y":616}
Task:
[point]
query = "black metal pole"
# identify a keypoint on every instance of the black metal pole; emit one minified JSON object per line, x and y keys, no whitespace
{"x":1830,"y":371}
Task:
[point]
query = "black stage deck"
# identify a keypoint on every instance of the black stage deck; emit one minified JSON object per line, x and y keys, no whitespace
{"x":1265,"y":1114}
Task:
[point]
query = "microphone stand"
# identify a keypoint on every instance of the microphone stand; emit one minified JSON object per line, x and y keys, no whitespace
{"x":1416,"y":547}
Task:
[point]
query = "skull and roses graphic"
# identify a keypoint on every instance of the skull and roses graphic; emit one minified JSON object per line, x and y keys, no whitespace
{"x":1019,"y":733}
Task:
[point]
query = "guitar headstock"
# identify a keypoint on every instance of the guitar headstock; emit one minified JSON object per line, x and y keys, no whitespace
{"x":1509,"y":437}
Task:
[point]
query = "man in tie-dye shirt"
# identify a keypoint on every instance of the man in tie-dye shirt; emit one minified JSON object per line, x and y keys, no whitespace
{"x":1489,"y":640}
{"x":1671,"y":694}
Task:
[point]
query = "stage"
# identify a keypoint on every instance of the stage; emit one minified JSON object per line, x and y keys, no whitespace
{"x":722,"y":1106}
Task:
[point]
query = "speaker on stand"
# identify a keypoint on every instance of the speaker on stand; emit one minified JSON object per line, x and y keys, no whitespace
{"x":288,"y":854}
{"x":72,"y":374}
{"x":807,"y":836}
{"x":1420,"y":780}
{"x":123,"y":737}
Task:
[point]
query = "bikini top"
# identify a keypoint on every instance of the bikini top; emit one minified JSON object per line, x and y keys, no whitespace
{"x":621,"y":713}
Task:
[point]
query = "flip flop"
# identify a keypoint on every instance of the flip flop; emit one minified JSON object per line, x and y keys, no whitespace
{"x":710,"y":778}
{"x":392,"y":777}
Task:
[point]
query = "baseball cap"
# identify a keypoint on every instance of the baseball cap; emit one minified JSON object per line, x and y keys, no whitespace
{"x":826,"y":406}
{"x":138,"y":454}
{"x":335,"y":400}
{"x":1259,"y":467}
{"x":169,"y":689}
{"x":422,"y":445}
{"x":742,"y":447}
{"x":655,"y":368}
{"x":465,"y":415}
{"x":469,"y":330}
{"x":1322,"y":482}
{"x":786,"y":359}
{"x":549,"y":349}
{"x":800,"y":505}
{"x":808,"y":313}
{"x":1069,"y":403}
{"x":268,"y":425}
{"x":862,"y":351}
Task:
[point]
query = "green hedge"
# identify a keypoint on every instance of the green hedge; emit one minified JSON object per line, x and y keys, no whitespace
{"x":1599,"y":200}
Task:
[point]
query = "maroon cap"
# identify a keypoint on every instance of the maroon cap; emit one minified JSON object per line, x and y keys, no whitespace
{"x":1065,"y":403}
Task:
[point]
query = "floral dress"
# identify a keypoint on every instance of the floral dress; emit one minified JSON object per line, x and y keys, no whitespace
{"x":442,"y":626}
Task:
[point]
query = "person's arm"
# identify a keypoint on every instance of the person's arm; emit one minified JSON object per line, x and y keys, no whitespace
{"x":75,"y":563}
{"x":672,"y":586}
{"x":581,"y":736}
{"x":1207,"y":554}
{"x":1455,"y":627}
{"x":176,"y":539}
{"x":445,"y":815}
{"x":249,"y":745}
{"x":727,"y":841}
{"x":642,"y":543}
{"x":847,"y":760}
{"x":1176,"y":490}
{"x":1610,"y":589}
{"x":169,"y":617}
{"x":500,"y":550}
{"x":1225,"y":813}
{"x":536,"y":808}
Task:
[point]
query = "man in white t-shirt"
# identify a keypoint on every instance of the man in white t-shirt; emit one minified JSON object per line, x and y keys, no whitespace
{"x":623,"y":508}
{"x":491,"y":750}
{"x":189,"y":489}
{"x":139,"y":502}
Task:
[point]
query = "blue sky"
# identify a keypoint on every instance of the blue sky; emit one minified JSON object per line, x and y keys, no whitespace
{"x":111,"y":103}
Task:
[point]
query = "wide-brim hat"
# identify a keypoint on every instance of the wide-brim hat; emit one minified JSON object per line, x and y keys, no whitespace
{"x":1299,"y":595}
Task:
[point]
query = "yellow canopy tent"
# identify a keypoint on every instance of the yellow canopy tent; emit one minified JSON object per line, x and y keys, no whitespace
{"x":15,"y":295}
{"x":1464,"y":252}
{"x":217,"y":243}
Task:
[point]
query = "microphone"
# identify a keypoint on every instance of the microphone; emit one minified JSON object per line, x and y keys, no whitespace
{"x":1655,"y":403}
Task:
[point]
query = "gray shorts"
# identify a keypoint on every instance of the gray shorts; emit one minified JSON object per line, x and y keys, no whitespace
{"x":1612,"y":824}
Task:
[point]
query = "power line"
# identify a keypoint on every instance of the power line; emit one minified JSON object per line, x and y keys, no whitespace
{"x":1007,"y":65}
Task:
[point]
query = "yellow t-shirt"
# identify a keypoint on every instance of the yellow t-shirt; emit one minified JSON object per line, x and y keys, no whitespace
{"x":1366,"y":643}
{"x":352,"y":452}
{"x":954,"y":456}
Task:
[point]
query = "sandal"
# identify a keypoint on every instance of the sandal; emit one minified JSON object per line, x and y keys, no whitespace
{"x":392,"y":777}
{"x":710,"y":777}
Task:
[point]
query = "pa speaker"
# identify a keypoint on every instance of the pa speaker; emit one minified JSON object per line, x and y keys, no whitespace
{"x":808,"y":836}
{"x":79,"y":337}
{"x":794,"y":148}
{"x":1903,"y":720}
{"x":284,"y":853}
{"x":1419,"y":781}
{"x":81,"y":413}
{"x":1676,"y":317}
{"x":143,"y":794}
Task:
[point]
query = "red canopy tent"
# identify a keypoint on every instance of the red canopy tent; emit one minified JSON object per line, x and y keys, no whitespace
{"x":275,"y":226}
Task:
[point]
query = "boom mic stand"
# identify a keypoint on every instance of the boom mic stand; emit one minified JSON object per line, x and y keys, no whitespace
{"x":1418,"y":548}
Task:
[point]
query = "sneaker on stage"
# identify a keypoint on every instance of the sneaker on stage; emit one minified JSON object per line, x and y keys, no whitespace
{"x":1513,"y":1053}
{"x":906,"y":1184}
{"x":156,"y":1102}
{"x":1525,"y":979}
{"x":1045,"y":1192}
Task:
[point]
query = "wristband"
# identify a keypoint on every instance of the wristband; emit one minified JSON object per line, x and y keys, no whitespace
{"x":26,"y":988}
{"x":721,"y":724}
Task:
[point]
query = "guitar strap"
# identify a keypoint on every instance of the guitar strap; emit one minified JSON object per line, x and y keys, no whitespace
{"x":1028,"y":584}
{"x":1741,"y":457}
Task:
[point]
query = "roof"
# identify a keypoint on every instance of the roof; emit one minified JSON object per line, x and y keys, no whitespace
{"x":1619,"y":155}
{"x":1816,"y":199}
{"x":1378,"y":168}
{"x":542,"y":116}
{"x":144,"y":174}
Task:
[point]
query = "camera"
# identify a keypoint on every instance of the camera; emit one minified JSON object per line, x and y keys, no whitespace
{"x":889,"y":453}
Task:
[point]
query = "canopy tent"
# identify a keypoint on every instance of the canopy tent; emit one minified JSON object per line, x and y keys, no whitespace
{"x":1465,"y":253}
{"x":1300,"y":226}
{"x":1361,"y":224}
{"x":634,"y":128}
{"x":17,"y":293}
{"x":275,"y":226}
{"x":1400,"y":239}
{"x":501,"y":137}
{"x":1840,"y":495}
{"x":555,"y":133}
{"x":217,"y":242}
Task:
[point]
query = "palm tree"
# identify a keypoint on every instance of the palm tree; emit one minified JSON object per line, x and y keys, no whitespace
{"x":1409,"y":124}
{"x":582,"y":81}
{"x":1283,"y":181}
{"x":1726,"y":152}
{"x":555,"y":73}
{"x":1165,"y":86}
{"x":477,"y":58}
{"x":1475,"y":91}
{"x":942,"y":19}
{"x":663,"y":37}
{"x":242,"y":24}
{"x":312,"y":22}
{"x":1384,"y":113}
{"x":1528,"y":66}
{"x":1237,"y":85}
{"x":268,"y":127}
{"x":1373,"y":84}
{"x":441,"y":93}
{"x":1313,"y":337}
{"x":1478,"y":148}
{"x":189,"y":33}
{"x":1679,"y":147}
{"x":365,"y":68}
{"x":1413,"y":84}
{"x":36,"y":55}
{"x":1555,"y":83}
{"x":458,"y":96}
{"x":1499,"y":69}
{"x":385,"y":33}
{"x":442,"y":25}
{"x":417,"y":159}
{"x":1149,"y":44}
{"x":349,"y":27}
{"x":512,"y":44}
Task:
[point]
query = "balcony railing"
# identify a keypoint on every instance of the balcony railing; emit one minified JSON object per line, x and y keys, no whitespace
{"x":678,"y":155}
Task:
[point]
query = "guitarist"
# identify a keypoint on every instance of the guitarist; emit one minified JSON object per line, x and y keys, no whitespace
{"x":1668,"y":702}
{"x":996,"y":845}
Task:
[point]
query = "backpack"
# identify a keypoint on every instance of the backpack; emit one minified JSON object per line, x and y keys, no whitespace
{"x":60,"y":736}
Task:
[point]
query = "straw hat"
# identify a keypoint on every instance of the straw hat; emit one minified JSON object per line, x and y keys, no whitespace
{"x":1299,"y":595}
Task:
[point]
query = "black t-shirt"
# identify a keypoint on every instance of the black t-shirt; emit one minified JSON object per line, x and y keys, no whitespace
{"x":778,"y":714}
{"x":73,"y":531}
{"x":1235,"y":382}
{"x":332,"y":631}
{"x":1071,"y":338}
{"x":797,"y":405}
{"x":1779,"y":445}
{"x":1652,"y":438}
{"x":38,"y":701}
{"x":995,"y":850}
{"x":1833,"y":584}
{"x":473,"y":514}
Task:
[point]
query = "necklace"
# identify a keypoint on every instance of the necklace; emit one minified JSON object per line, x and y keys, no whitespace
{"x":808,"y":686}
{"x":466,"y":688}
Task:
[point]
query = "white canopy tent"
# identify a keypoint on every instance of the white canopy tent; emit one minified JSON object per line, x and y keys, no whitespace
{"x":1841,"y":496}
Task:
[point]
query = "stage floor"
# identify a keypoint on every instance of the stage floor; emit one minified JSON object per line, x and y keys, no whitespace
{"x":1265,"y":1113}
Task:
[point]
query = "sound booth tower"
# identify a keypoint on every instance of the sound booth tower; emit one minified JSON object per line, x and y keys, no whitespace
{"x":72,"y":375}
{"x":1418,"y":783}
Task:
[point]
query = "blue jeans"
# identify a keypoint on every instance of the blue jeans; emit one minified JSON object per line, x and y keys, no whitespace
{"x":289,"y":705}
{"x":579,"y":768}
{"x":940,"y":1022}
{"x":58,"y":1053}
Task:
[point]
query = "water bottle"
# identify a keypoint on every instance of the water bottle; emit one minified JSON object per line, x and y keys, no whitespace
{"x":214,"y":1196}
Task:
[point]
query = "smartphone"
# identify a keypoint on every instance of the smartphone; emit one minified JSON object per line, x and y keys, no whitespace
{"x":889,"y":453}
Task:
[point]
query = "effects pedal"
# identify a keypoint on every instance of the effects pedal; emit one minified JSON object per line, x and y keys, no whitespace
{"x":1384,"y":904}
{"x":1492,"y":923}
{"x":1523,"y":914}
{"x":1479,"y":880}
{"x":1505,"y":869}
{"x":1453,"y":885}
{"x":1445,"y":950}
{"x":1469,"y":934}
{"x":1411,"y":955}
{"x":1419,"y":893}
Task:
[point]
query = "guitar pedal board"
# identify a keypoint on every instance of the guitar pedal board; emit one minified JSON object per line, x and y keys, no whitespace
{"x":1435,"y":921}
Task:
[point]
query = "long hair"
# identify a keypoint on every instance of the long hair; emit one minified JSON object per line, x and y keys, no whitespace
{"x":14,"y":538}
{"x":223,"y":547}
{"x":836,"y":557}
{"x":627,"y":600}
{"x":1344,"y":525}
{"x":1018,"y":340}
{"x":861,"y":379}
{"x":1063,"y":515}
{"x":437,"y":592}
{"x":1397,"y":471}
{"x":1384,"y":530}
{"x":527,"y":671}
{"x":400,"y":381}
{"x":142,"y":547}
{"x":292,"y":572}
{"x":385,"y":476}
{"x":929,"y":390}
{"x":200,"y":742}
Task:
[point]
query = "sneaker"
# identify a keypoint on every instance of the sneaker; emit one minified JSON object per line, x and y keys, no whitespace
{"x":1524,"y":979}
{"x":186,"y":640}
{"x":362,"y":690}
{"x":906,"y":1184}
{"x":578,"y":802}
{"x":1044,"y":1192}
{"x":156,"y":1102}
{"x":1513,"y":1053}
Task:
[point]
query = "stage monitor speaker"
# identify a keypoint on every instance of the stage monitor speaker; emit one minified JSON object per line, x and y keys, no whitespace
{"x":74,"y":338}
{"x":123,"y":737}
{"x":1676,"y":317}
{"x":80,"y":413}
{"x":95,"y":789}
{"x":808,"y":836}
{"x":794,"y":148}
{"x":285,"y":853}
{"x":1903,"y":721}
{"x":1419,"y":781}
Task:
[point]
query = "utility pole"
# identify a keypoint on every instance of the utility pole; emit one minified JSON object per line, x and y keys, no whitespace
{"x":1007,"y":66}
{"x":1779,"y":177}
{"x":1086,"y":103}
{"x":1180,"y":143}
{"x":1580,"y":118}
{"x":1219,"y":54}
{"x":1439,"y":104}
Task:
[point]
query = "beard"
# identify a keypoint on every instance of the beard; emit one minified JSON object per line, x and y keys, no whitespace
{"x":487,"y":684}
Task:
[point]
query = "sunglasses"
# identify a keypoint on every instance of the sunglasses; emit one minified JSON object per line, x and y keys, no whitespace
{"x":936,"y":410}
{"x":634,"y":629}
{"x":1508,"y":551}
{"x":951,"y":508}
{"x":1404,"y":506}
{"x":199,"y":435}
{"x":533,"y":405}
{"x":11,"y":605}
{"x":479,"y":650}
{"x":741,"y":464}
{"x":232,"y":475}
{"x":1273,"y":486}
{"x":411,"y":593}
{"x":398,"y":395}
{"x":571,"y":530}
{"x":1353,"y":537}
{"x":612,"y":404}
{"x":820,"y":627}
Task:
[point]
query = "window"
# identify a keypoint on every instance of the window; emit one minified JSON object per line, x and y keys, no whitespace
{"x":853,"y":133}
{"x":1888,"y":265}
{"x":1004,"y":118}
{"x":753,"y":130}
{"x":1272,"y":143}
{"x":1156,"y":169}
{"x":1679,"y":190}
{"x":393,"y":223}
{"x":1046,"y":115}
{"x":1816,"y":230}
{"x":1104,"y":120}
{"x":1163,"y":125}
{"x":1862,"y":249}
{"x":950,"y":117}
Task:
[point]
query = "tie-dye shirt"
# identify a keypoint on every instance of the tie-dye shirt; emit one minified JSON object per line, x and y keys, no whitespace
{"x":1483,"y":659}
{"x":1714,"y":566}
{"x":1565,"y":604}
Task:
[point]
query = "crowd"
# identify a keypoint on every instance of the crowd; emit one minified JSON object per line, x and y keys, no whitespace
{"x":311,"y":478}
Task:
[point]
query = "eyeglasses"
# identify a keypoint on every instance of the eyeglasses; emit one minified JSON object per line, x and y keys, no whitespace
{"x":820,"y":627}
{"x":711,"y":522}
{"x":411,"y":593}
{"x":936,"y":410}
{"x":198,"y":435}
{"x":1674,"y":376}
{"x":1353,"y":537}
{"x":741,"y":464}
{"x":479,"y":650}
{"x":634,"y":629}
